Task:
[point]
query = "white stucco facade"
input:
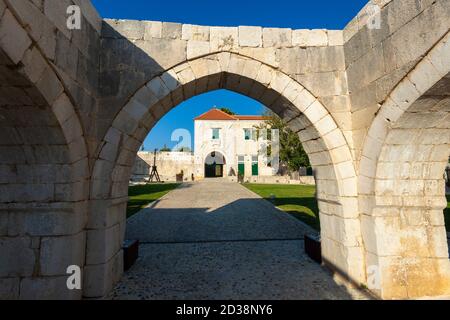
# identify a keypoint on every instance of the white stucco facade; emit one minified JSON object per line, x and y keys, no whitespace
{"x":217,"y":133}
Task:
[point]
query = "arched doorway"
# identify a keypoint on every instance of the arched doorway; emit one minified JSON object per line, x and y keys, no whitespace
{"x":401,"y":174}
{"x":214,"y":165}
{"x":304,"y":113}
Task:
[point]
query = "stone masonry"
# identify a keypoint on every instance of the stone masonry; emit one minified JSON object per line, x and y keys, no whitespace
{"x":371,"y":104}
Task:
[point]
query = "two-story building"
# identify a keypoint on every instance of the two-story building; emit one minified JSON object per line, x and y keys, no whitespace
{"x":226,"y":145}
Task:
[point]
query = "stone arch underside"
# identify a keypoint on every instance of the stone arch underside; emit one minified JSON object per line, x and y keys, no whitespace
{"x":43,"y":173}
{"x":401,"y":183}
{"x":321,"y":138}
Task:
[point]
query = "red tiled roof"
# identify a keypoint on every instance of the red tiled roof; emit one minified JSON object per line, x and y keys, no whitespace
{"x":216,"y":114}
{"x":250,"y":117}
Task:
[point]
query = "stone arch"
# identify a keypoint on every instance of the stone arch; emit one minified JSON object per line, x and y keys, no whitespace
{"x":215,"y":150}
{"x":218,"y":157}
{"x":401,"y":182}
{"x":322,"y":140}
{"x":44,"y":172}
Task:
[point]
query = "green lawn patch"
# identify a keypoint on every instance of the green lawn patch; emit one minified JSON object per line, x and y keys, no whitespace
{"x":141,"y":195}
{"x":297,"y":200}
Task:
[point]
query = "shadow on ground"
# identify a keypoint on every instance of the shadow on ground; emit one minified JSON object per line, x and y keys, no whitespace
{"x":240,"y":220}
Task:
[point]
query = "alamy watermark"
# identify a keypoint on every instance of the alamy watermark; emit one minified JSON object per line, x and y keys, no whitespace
{"x":373,"y":16}
{"x":267,"y":140}
{"x":373,"y":277}
{"x":74,"y":279}
{"x":74,"y":17}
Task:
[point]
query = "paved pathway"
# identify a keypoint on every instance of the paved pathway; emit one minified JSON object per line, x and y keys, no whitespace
{"x":217,"y":240}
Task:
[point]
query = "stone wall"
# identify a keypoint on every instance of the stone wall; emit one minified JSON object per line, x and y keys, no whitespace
{"x":44,"y":167}
{"x":371,"y":107}
{"x":169,"y":165}
{"x":377,"y":59}
{"x":133,"y":52}
{"x":308,"y":180}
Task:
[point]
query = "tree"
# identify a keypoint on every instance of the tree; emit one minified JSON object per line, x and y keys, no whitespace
{"x":227,"y":110}
{"x":165,"y":149}
{"x":184,"y":149}
{"x":291,"y":150}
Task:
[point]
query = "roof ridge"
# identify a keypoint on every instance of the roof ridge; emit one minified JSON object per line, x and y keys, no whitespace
{"x":217,"y":114}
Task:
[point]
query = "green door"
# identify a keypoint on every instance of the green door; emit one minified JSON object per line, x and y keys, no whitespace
{"x":241,"y":168}
{"x":254,"y":168}
{"x":254,"y":165}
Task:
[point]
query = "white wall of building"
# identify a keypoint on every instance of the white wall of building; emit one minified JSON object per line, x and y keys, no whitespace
{"x":231,"y":144}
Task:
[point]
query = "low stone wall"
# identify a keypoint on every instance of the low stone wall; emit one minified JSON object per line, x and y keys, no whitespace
{"x":308,"y":180}
{"x":169,"y":165}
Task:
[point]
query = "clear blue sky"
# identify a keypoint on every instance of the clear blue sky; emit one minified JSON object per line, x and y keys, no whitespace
{"x":296,"y":14}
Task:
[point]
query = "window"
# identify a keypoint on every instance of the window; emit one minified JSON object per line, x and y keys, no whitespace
{"x":249,"y":134}
{"x":215,"y":134}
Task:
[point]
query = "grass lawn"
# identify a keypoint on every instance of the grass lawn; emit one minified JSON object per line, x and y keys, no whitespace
{"x":141,"y":195}
{"x":447,"y":214}
{"x":297,"y":200}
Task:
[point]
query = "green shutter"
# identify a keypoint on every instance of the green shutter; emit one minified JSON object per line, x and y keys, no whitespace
{"x":241,"y":168}
{"x":255,"y":169}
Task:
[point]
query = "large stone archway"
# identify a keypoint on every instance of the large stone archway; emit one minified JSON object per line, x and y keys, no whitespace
{"x":369,"y":104}
{"x":322,"y":140}
{"x":401,"y":183}
{"x":43,"y":172}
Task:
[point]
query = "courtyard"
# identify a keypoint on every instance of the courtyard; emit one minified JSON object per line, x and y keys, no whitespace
{"x":363,"y":90}
{"x":215,"y":239}
{"x":297,"y":200}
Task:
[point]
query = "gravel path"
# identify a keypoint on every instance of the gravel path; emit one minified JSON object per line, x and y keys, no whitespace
{"x":217,"y":240}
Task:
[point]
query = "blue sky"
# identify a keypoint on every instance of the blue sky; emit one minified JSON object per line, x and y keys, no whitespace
{"x":296,"y":14}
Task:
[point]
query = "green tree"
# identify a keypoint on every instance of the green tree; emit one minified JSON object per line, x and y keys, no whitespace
{"x":184,"y":149}
{"x":227,"y":110}
{"x":165,"y":149}
{"x":291,"y":150}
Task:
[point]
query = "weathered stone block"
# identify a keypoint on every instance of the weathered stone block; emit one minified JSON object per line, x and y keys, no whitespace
{"x":58,"y":253}
{"x":13,"y":38}
{"x":250,"y":36}
{"x":49,"y":85}
{"x":20,"y":261}
{"x":158,"y":88}
{"x":335,"y":38}
{"x":309,"y":38}
{"x":156,"y":52}
{"x":153,"y":29}
{"x":130,"y":29}
{"x":194,"y":32}
{"x":102,"y":244}
{"x":50,"y":222}
{"x":197,"y":48}
{"x":224,"y":38}
{"x":9,"y":288}
{"x":34,"y":64}
{"x":171,"y":30}
{"x":48,"y":288}
{"x":100,"y":279}
{"x":277,"y":37}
